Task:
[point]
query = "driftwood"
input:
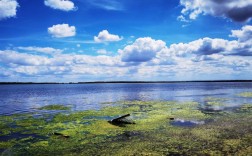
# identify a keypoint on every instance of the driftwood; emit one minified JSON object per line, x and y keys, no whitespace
{"x":60,"y":134}
{"x":121,"y":120}
{"x":171,"y":118}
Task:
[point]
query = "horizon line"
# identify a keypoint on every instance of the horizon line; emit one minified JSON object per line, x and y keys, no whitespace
{"x":89,"y":82}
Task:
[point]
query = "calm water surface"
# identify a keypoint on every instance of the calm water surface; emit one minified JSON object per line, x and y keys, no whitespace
{"x":29,"y":97}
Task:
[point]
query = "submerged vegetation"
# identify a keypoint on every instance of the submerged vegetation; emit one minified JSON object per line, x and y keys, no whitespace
{"x":245,"y":94}
{"x":90,"y":133}
{"x":55,"y":107}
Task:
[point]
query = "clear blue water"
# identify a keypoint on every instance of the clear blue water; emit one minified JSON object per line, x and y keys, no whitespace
{"x":28,"y":97}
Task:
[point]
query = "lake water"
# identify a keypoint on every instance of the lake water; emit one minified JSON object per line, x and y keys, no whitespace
{"x":23,"y":98}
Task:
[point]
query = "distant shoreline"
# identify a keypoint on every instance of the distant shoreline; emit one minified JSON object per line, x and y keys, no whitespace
{"x":131,"y":82}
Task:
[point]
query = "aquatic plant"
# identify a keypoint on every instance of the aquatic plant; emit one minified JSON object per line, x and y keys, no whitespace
{"x":55,"y":107}
{"x":245,"y":94}
{"x":7,"y":144}
{"x":245,"y":108}
{"x":90,"y":133}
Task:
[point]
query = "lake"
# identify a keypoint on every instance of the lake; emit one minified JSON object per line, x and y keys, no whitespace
{"x":186,"y":118}
{"x":24,"y":98}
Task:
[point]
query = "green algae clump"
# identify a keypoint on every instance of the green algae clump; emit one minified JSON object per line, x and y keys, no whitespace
{"x":7,"y":144}
{"x":245,"y":94}
{"x":55,"y":107}
{"x":245,"y":108}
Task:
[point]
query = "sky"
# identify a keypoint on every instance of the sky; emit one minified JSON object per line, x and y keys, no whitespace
{"x":125,"y":40}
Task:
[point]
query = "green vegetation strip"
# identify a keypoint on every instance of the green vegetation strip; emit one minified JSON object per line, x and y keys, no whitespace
{"x":90,"y":133}
{"x":55,"y":107}
{"x":245,"y":94}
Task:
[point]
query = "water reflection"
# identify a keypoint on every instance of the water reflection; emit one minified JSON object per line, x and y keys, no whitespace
{"x":186,"y":123}
{"x":26,"y":98}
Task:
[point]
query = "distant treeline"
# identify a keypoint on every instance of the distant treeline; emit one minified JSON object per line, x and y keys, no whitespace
{"x":165,"y":81}
{"x":97,"y":82}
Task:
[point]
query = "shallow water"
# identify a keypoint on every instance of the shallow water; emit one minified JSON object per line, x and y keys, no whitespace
{"x":28,"y":97}
{"x":170,"y":119}
{"x":187,"y":123}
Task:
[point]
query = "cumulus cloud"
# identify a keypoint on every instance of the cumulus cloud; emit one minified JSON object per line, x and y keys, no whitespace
{"x":19,"y":64}
{"x":46,"y":50}
{"x":33,"y":65}
{"x":240,"y":11}
{"x":205,"y":46}
{"x":14,"y":58}
{"x":243,"y":35}
{"x":203,"y":58}
{"x":239,"y":64}
{"x":62,"y":30}
{"x":142,"y":50}
{"x":65,"y":5}
{"x":208,"y":50}
{"x":8,"y":8}
{"x":143,"y":59}
{"x":5,"y":73}
{"x":211,"y":46}
{"x":105,"y":36}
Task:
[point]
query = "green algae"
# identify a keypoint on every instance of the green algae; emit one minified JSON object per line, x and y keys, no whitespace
{"x":189,"y":111}
{"x":210,"y":98}
{"x":30,"y":122}
{"x":245,"y":108}
{"x":214,"y":102}
{"x":90,"y":133}
{"x":245,"y":94}
{"x":213,"y":139}
{"x":55,"y":107}
{"x":7,"y":144}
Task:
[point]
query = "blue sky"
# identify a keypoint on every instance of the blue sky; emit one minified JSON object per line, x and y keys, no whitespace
{"x":94,"y":40}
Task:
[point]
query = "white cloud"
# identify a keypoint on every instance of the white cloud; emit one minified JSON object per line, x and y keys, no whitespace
{"x":14,"y":58}
{"x":145,"y":59}
{"x":203,"y":58}
{"x":62,"y":30}
{"x":239,"y":11}
{"x":46,"y":50}
{"x":8,"y":8}
{"x":105,"y":36}
{"x":243,"y":35}
{"x":95,"y":60}
{"x":206,"y":48}
{"x":5,"y":73}
{"x":28,"y":70}
{"x":182,"y":18}
{"x":65,"y":5}
{"x":62,"y":64}
{"x":142,"y":50}
{"x":103,"y":52}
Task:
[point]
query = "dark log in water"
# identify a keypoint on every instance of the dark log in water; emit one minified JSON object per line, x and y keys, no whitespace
{"x":121,"y":120}
{"x":62,"y":135}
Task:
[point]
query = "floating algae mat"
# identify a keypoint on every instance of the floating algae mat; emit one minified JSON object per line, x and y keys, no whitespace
{"x":90,"y":133}
{"x":55,"y":107}
{"x":246,"y":94}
